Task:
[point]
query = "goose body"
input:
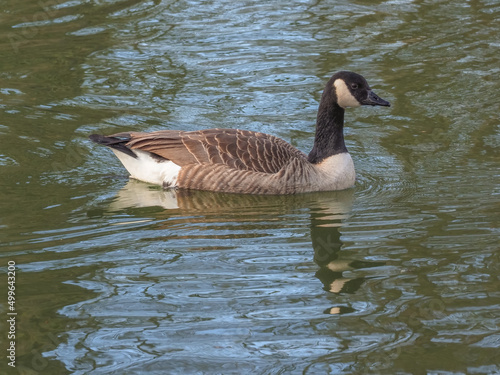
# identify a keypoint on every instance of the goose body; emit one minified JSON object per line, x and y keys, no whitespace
{"x":241,"y":161}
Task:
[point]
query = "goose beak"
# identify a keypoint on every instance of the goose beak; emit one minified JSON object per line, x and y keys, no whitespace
{"x":374,"y":99}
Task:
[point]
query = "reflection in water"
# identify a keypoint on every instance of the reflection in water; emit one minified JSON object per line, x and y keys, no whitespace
{"x":327,"y":212}
{"x":226,"y":283}
{"x":327,"y":244}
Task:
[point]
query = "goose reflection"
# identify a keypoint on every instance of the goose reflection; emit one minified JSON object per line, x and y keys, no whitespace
{"x":327,"y":245}
{"x":327,"y":212}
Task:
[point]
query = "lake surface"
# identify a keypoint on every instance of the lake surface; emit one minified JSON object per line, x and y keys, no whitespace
{"x":399,"y":275}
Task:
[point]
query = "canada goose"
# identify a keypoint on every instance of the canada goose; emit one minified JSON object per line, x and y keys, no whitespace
{"x":242,"y":161}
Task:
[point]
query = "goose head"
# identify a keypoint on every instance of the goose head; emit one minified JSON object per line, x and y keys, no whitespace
{"x":344,"y":89}
{"x":350,"y":89}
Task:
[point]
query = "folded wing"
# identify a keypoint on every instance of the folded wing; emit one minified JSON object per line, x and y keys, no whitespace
{"x":237,"y":149}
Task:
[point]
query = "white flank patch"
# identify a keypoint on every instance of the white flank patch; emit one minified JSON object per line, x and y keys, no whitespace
{"x":149,"y":169}
{"x":344,"y":97}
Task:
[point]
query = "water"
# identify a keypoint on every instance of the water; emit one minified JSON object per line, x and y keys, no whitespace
{"x":399,"y":275}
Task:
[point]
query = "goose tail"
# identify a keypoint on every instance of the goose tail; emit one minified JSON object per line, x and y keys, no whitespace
{"x":141,"y":165}
{"x":118,"y":143}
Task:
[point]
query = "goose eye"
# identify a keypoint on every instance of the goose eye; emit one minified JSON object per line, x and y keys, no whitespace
{"x":354,"y":86}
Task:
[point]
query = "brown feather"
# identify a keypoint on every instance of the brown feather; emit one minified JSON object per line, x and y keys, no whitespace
{"x":237,"y":149}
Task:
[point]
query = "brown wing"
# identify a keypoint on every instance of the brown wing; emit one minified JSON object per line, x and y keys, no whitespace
{"x":238,"y":149}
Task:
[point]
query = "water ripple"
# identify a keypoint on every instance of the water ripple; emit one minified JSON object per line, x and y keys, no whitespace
{"x":399,"y":274}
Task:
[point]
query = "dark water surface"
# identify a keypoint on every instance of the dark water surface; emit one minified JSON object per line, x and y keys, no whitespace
{"x":399,"y":275}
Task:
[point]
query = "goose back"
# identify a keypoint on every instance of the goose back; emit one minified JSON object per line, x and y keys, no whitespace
{"x":238,"y":149}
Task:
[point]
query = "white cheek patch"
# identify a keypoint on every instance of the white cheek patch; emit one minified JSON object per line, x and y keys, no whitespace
{"x":344,"y":97}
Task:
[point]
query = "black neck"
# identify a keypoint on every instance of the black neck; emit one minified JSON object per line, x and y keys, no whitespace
{"x":329,"y":139}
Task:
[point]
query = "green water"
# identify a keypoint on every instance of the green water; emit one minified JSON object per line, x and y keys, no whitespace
{"x":399,"y":275}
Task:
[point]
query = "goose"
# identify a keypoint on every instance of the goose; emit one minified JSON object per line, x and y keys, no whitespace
{"x":243,"y":161}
